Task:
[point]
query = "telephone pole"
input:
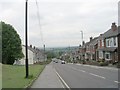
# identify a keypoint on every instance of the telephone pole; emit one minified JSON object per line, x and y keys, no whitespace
{"x":26,"y":39}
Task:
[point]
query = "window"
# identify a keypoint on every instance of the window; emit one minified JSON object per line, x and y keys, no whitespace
{"x":107,"y":42}
{"x":103,"y":43}
{"x":110,"y":42}
{"x":100,"y":54}
{"x":107,"y":56}
{"x":114,"y":40}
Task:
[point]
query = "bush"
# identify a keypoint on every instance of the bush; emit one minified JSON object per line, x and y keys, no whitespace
{"x":103,"y":63}
{"x":92,"y":62}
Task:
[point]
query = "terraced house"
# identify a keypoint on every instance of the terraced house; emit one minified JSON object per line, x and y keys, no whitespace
{"x":35,"y":55}
{"x":91,"y":48}
{"x":108,"y":45}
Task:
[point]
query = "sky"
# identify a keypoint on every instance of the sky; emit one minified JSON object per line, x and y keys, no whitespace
{"x":61,"y":21}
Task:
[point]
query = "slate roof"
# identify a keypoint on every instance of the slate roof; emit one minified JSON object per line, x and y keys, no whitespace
{"x":110,"y":33}
{"x":94,"y":41}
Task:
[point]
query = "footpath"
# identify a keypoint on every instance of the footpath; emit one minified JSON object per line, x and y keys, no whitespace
{"x":48,"y":79}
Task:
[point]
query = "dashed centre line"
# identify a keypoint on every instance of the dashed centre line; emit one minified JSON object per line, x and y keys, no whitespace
{"x":93,"y":74}
{"x":97,"y":75}
{"x":116,"y":82}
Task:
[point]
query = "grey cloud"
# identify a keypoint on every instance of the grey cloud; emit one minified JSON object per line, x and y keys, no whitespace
{"x":61,"y":20}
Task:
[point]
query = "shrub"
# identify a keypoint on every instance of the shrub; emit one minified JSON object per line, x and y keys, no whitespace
{"x":105,"y":63}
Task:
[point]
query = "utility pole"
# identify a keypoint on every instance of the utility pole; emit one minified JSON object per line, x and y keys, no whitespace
{"x":119,"y":38}
{"x":26,"y":40}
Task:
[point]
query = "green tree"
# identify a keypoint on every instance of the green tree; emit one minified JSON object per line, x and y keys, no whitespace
{"x":50,"y":54}
{"x":11,"y":44}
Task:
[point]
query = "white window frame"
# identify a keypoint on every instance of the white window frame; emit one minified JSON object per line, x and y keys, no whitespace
{"x":107,"y":42}
{"x":101,"y":54}
{"x":115,"y":41}
{"x":107,"y":53}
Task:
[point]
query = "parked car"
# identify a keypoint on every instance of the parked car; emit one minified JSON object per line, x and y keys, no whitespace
{"x":62,"y":62}
{"x":56,"y":61}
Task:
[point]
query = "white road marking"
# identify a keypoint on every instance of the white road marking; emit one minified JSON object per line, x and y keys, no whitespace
{"x":116,"y":82}
{"x":97,"y":75}
{"x":98,"y":67}
{"x":62,"y":80}
{"x":59,"y":80}
{"x":78,"y":69}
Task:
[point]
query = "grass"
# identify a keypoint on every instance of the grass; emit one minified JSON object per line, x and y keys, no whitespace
{"x":14,"y":76}
{"x":0,"y":76}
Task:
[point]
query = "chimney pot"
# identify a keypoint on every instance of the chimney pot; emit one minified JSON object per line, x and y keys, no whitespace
{"x":114,"y":26}
{"x":91,"y":38}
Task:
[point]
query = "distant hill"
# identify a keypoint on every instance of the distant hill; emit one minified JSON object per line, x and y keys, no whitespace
{"x":62,"y":49}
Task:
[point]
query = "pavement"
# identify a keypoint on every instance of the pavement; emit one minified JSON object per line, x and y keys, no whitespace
{"x":48,"y":78}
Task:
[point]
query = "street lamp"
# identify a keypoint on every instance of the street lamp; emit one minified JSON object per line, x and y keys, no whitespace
{"x":26,"y":39}
{"x":82,"y":37}
{"x":82,"y":43}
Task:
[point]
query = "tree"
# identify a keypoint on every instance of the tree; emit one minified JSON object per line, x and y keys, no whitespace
{"x":11,"y":44}
{"x":50,"y":54}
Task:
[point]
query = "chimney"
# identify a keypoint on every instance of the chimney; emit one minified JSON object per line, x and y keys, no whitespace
{"x":80,"y":45}
{"x":91,"y":38}
{"x":114,"y":26}
{"x":34,"y":47}
{"x":101,"y":34}
{"x":30,"y":46}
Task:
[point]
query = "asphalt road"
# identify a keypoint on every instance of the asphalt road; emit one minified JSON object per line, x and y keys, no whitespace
{"x":85,"y":76}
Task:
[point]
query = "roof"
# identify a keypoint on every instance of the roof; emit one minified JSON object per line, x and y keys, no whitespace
{"x":110,"y":33}
{"x":36,"y":50}
{"x":93,"y":42}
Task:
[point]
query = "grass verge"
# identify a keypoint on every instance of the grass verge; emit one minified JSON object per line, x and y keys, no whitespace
{"x":0,"y":76}
{"x":14,"y":76}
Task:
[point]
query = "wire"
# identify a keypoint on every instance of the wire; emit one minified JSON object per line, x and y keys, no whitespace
{"x":38,"y":15}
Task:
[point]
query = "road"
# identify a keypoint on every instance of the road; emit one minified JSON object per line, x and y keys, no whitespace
{"x":86,"y":76}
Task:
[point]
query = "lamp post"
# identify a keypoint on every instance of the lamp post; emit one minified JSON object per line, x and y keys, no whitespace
{"x":82,"y":37}
{"x":26,"y":40}
{"x":82,"y":43}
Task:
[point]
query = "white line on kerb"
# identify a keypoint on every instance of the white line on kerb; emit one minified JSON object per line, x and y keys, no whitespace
{"x":116,"y":82}
{"x":62,"y":80}
{"x":97,"y":75}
